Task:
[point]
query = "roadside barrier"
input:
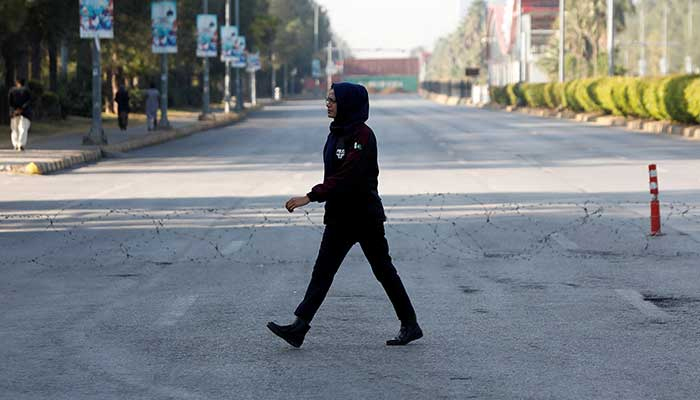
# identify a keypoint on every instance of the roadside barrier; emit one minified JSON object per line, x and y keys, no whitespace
{"x":654,"y":190}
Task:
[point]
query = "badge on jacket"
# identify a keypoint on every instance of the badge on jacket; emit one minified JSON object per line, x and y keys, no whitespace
{"x":357,"y":146}
{"x":340,"y":153}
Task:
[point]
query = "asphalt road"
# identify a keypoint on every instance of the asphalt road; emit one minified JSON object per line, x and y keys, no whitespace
{"x":522,"y":241}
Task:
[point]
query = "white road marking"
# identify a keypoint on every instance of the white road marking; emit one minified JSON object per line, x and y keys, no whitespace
{"x":564,"y":242}
{"x":177,"y":309}
{"x":637,"y":301}
{"x":232,"y":247}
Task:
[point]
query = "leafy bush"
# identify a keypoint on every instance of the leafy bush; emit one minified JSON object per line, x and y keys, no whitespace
{"x":553,"y":95}
{"x":76,"y":98}
{"x":675,"y":97}
{"x":498,"y":95}
{"x":620,"y":97}
{"x":137,"y":100}
{"x":570,"y":100}
{"x":671,"y":95}
{"x":515,"y":94}
{"x":692,"y":98}
{"x":603,"y":91}
{"x":534,"y":94}
{"x":585,"y":95}
{"x":652,"y":101}
{"x":635,"y":97}
{"x":50,"y":106}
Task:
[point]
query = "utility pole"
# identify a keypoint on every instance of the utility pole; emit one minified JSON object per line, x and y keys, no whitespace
{"x":521,"y":73}
{"x":611,"y":37}
{"x":642,"y":41}
{"x":96,"y":134}
{"x":205,"y":79}
{"x":689,"y":39}
{"x":329,"y":65}
{"x":164,"y":123}
{"x":316,"y":6}
{"x":227,"y":67}
{"x":664,"y":61}
{"x":239,"y":98}
{"x":562,"y":36}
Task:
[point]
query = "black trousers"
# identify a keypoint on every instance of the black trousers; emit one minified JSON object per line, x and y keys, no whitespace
{"x":337,"y":241}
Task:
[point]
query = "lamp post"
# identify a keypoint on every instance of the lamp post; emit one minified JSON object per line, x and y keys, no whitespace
{"x":562,"y":36}
{"x":239,"y":97}
{"x":227,"y":67}
{"x":611,"y":37}
{"x":205,"y":78}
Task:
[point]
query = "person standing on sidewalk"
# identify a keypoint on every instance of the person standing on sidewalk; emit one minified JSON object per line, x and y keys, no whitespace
{"x":122,"y":100}
{"x":20,"y":101}
{"x":354,"y":213}
{"x":152,"y":105}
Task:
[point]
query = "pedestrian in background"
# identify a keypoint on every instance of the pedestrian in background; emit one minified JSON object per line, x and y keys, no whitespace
{"x":152,"y":105}
{"x":354,"y":213}
{"x":122,"y":100}
{"x":20,"y":101}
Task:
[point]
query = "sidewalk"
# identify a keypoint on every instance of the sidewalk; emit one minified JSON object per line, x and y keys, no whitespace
{"x":50,"y":153}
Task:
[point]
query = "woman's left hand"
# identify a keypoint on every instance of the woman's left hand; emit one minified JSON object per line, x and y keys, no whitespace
{"x":296,"y":202}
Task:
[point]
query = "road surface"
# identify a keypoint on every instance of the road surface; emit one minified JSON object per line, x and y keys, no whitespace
{"x":522,"y":241}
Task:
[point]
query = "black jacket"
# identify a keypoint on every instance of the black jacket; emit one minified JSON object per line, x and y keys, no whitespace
{"x":349,"y":185}
{"x":22,"y":99}
{"x":122,"y":99}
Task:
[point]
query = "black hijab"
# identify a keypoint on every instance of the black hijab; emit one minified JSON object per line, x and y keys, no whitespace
{"x":353,"y":106}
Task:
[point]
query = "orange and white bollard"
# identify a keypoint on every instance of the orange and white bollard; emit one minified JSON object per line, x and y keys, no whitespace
{"x":654,"y":190}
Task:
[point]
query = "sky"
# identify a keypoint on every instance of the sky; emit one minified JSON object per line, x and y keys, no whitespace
{"x":389,"y":24}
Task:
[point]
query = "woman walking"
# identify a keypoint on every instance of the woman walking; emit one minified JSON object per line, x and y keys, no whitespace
{"x":122,"y":100}
{"x":354,"y":214}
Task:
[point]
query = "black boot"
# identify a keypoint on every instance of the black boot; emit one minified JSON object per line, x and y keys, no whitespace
{"x":293,"y":333}
{"x":408,"y":333}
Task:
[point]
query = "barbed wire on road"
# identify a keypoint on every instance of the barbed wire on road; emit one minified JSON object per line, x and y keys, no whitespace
{"x":428,"y":230}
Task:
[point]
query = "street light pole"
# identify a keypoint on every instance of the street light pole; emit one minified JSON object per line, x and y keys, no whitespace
{"x":642,"y":41}
{"x":227,"y":67}
{"x":611,"y":37}
{"x":521,"y":73}
{"x":316,"y":27}
{"x":164,"y":122}
{"x":239,"y":97}
{"x":205,"y":78}
{"x":562,"y":36}
{"x":96,"y":134}
{"x":689,"y":39}
{"x":665,"y":63}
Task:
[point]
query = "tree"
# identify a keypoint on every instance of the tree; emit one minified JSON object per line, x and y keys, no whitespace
{"x":585,"y":38}
{"x":461,"y":49}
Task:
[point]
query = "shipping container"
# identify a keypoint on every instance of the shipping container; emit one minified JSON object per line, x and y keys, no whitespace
{"x":381,"y":67}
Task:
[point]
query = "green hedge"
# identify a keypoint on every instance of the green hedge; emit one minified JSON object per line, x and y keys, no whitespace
{"x":675,"y":97}
{"x":692,"y":98}
{"x":515,"y":95}
{"x":534,"y":94}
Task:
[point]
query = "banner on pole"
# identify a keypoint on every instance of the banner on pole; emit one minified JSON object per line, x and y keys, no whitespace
{"x":253,"y":62}
{"x":228,"y":42}
{"x":316,"y":68}
{"x":96,"y":19}
{"x":164,"y":27}
{"x":207,"y":35}
{"x":239,"y":55}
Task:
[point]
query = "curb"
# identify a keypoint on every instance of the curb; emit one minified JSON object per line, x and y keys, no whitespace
{"x":93,"y":155}
{"x":633,"y":124}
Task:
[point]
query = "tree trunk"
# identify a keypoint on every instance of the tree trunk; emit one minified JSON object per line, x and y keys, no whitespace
{"x":64,"y":62}
{"x":22,"y":63}
{"x":53,"y":67}
{"x":8,"y":57}
{"x":36,"y":58}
